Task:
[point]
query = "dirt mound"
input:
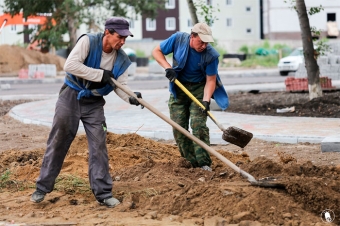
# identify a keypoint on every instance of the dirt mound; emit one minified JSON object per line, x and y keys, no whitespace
{"x":13,"y":58}
{"x":152,"y":181}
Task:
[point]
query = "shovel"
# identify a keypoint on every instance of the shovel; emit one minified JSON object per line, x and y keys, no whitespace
{"x":263,"y":183}
{"x":232,"y":134}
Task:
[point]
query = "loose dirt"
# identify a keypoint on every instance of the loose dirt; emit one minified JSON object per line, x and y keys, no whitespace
{"x":157,"y":187}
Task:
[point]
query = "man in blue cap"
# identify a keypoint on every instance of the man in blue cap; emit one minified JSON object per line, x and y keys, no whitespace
{"x":95,"y":60}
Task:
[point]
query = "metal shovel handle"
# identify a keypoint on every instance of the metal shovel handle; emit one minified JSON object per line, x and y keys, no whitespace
{"x":250,"y":178}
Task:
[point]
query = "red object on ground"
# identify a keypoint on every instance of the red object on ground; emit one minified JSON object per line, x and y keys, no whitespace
{"x":23,"y":73}
{"x":39,"y":74}
{"x":301,"y":84}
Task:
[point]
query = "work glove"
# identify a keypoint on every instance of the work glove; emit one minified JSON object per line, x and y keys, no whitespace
{"x":134,"y":101}
{"x":206,"y":105}
{"x":170,"y":74}
{"x":107,"y":78}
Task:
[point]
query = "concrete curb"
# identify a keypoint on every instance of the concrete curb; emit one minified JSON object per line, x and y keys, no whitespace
{"x":330,"y":144}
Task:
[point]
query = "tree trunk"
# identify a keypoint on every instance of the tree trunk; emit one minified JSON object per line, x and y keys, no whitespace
{"x":72,"y":30}
{"x":192,"y":10}
{"x":311,"y":65}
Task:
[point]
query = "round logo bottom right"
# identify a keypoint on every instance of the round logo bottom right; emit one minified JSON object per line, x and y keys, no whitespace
{"x":327,"y":216}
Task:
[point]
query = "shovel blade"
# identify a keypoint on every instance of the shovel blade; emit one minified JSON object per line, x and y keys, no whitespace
{"x":237,"y":136}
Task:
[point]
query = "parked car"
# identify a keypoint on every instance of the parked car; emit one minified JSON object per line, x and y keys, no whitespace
{"x":291,"y":63}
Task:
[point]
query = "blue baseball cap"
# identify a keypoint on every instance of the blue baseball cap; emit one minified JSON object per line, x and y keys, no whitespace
{"x":119,"y":24}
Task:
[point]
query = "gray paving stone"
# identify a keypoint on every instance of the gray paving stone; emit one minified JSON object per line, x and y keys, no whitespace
{"x":330,"y":144}
{"x":124,"y":118}
{"x":283,"y":139}
{"x":315,"y":139}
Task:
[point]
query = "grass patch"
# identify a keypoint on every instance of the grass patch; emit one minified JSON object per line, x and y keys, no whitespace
{"x":263,"y":61}
{"x":71,"y":184}
{"x":263,"y":55}
{"x":140,"y":53}
{"x":7,"y":183}
{"x":4,"y":179}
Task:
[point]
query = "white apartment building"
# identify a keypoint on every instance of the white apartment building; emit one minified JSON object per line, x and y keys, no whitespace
{"x":236,"y":20}
{"x":281,"y":21}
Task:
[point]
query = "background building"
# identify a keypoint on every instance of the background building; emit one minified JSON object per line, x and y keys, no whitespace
{"x":281,"y":21}
{"x":237,"y":23}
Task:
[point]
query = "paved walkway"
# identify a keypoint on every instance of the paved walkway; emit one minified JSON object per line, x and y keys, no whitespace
{"x":124,"y":118}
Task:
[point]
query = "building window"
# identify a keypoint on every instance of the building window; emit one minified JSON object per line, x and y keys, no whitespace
{"x":170,"y":4}
{"x":132,"y":24}
{"x":170,"y":23}
{"x":150,"y":24}
{"x":248,"y":9}
{"x":13,"y":28}
{"x":248,"y":31}
{"x":189,"y":23}
{"x":228,"y":2}
{"x":229,"y":22}
{"x":331,"y":17}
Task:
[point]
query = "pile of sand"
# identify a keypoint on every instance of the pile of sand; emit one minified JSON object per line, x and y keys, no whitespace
{"x":13,"y":58}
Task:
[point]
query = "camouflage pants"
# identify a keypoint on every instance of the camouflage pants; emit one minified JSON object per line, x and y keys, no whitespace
{"x":182,"y":110}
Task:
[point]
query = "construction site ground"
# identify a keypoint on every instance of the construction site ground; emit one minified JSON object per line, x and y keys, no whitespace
{"x":157,"y":187}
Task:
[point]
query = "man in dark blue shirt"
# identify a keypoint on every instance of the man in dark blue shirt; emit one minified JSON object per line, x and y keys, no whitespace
{"x":195,"y":65}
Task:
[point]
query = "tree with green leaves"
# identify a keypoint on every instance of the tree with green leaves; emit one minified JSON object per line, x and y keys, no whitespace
{"x":193,"y":11}
{"x":201,"y":12}
{"x":68,"y":15}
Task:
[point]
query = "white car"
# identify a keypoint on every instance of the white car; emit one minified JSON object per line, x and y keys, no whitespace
{"x":291,"y":63}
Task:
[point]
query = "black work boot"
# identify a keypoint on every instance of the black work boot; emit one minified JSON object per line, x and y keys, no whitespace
{"x":38,"y":196}
{"x":109,"y":202}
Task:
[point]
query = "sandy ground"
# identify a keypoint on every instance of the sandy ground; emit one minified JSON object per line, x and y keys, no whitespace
{"x":157,"y":187}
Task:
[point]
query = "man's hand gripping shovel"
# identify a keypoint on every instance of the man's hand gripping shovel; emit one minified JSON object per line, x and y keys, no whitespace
{"x":232,"y":134}
{"x":250,"y":178}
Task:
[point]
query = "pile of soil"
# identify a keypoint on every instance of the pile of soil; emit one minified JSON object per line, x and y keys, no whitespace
{"x":157,"y":187}
{"x":13,"y":58}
